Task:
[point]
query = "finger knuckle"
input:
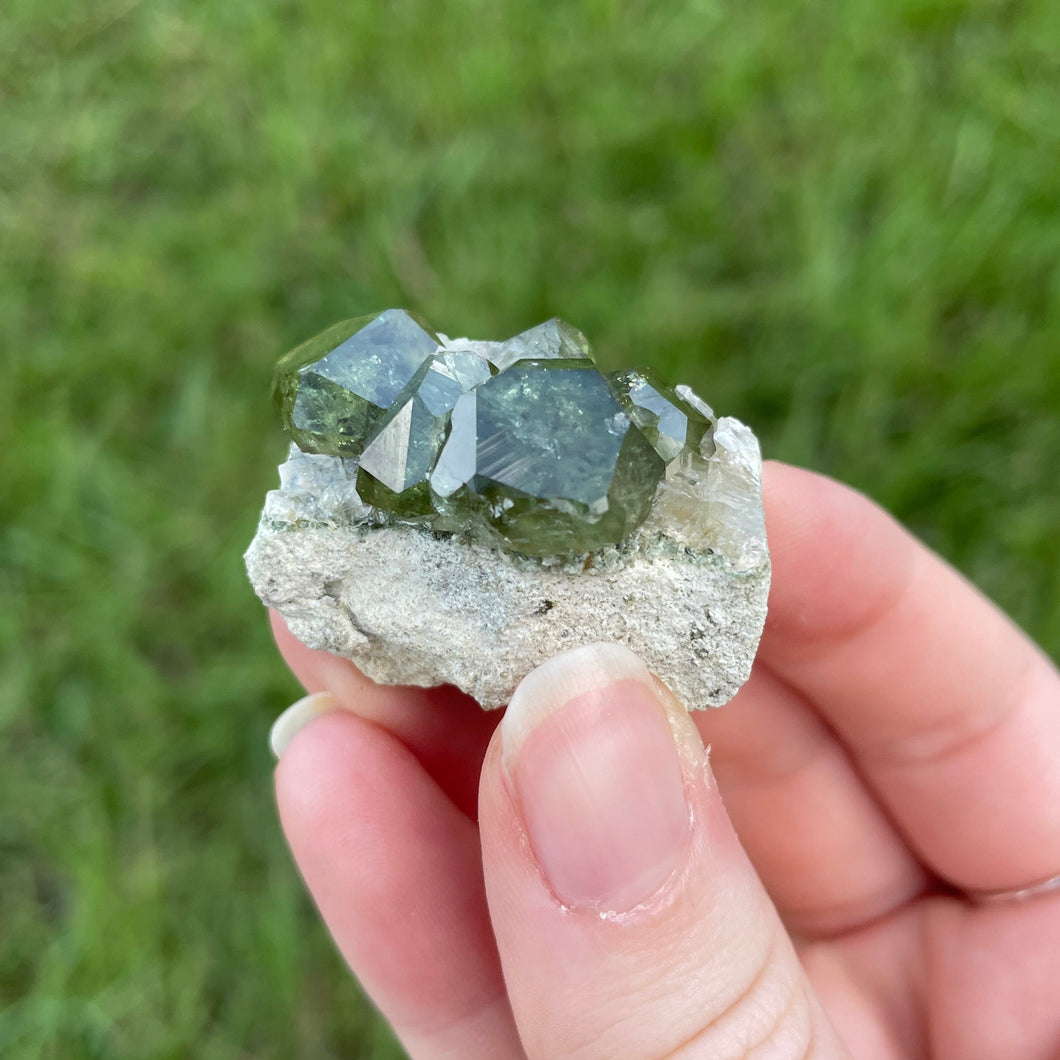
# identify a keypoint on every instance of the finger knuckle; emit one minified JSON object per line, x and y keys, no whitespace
{"x":771,"y":1018}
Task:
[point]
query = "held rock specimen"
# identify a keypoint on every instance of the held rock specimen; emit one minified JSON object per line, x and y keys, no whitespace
{"x":456,"y":512}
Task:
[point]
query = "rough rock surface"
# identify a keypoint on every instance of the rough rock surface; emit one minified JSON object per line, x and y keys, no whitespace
{"x":687,"y":592}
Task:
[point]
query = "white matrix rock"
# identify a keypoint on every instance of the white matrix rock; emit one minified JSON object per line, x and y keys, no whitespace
{"x":409,"y":606}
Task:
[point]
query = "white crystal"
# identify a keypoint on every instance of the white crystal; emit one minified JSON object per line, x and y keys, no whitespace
{"x":712,"y":501}
{"x":688,"y":395}
{"x":316,"y":488}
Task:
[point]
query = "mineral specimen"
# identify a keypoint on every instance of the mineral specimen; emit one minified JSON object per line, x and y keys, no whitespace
{"x":456,"y":511}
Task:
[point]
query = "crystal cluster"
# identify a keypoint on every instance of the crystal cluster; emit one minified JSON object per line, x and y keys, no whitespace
{"x":523,"y":444}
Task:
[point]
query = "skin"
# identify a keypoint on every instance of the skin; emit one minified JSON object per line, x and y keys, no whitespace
{"x":896,"y":749}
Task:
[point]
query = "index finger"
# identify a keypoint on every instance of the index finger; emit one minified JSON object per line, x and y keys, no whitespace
{"x":951,"y":713}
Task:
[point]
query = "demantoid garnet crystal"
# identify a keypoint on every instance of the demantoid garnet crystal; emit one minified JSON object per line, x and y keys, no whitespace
{"x":522,"y":443}
{"x":334,"y":388}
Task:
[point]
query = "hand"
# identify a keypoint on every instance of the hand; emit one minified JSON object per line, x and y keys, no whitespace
{"x":895,"y":753}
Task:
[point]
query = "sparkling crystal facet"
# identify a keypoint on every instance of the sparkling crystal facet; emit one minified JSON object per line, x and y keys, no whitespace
{"x":546,"y":458}
{"x":402,"y":449}
{"x":523,"y":442}
{"x":670,"y":423}
{"x":554,"y":339}
{"x":334,"y":388}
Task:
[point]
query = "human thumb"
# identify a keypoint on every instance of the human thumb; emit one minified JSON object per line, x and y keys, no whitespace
{"x":629,"y":921}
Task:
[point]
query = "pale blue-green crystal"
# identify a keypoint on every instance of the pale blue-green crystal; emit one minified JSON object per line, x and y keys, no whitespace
{"x":554,"y":339}
{"x":450,"y":374}
{"x":456,"y":462}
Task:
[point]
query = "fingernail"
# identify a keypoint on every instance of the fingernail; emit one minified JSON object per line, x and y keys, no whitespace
{"x":593,"y":755}
{"x":297,"y":716}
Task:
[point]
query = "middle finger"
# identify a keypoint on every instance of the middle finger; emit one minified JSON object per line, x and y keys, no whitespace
{"x":825,"y":850}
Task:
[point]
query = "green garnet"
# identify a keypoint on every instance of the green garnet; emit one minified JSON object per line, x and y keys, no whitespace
{"x":334,"y":388}
{"x":523,"y":442}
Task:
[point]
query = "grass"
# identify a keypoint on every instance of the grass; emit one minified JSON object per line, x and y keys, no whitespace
{"x":840,"y":222}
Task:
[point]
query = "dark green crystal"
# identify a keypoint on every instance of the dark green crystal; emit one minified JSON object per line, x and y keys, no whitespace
{"x":334,"y":388}
{"x":667,"y":421}
{"x":555,"y":436}
{"x":401,"y":450}
{"x":545,"y":457}
{"x":522,"y":442}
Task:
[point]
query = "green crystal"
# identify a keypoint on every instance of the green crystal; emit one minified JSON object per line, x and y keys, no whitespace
{"x":554,"y":339}
{"x":450,"y":374}
{"x":666,"y":420}
{"x":334,"y":388}
{"x":522,"y":443}
{"x":544,"y":456}
{"x":401,"y":450}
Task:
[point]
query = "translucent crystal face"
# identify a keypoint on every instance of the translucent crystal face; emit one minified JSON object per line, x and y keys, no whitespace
{"x":334,"y":388}
{"x":545,"y":457}
{"x":553,"y":339}
{"x":402,"y":449}
{"x":523,"y":442}
{"x":668,"y":422}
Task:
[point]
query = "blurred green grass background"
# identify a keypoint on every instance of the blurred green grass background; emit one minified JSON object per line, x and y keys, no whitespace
{"x":840,"y":222}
